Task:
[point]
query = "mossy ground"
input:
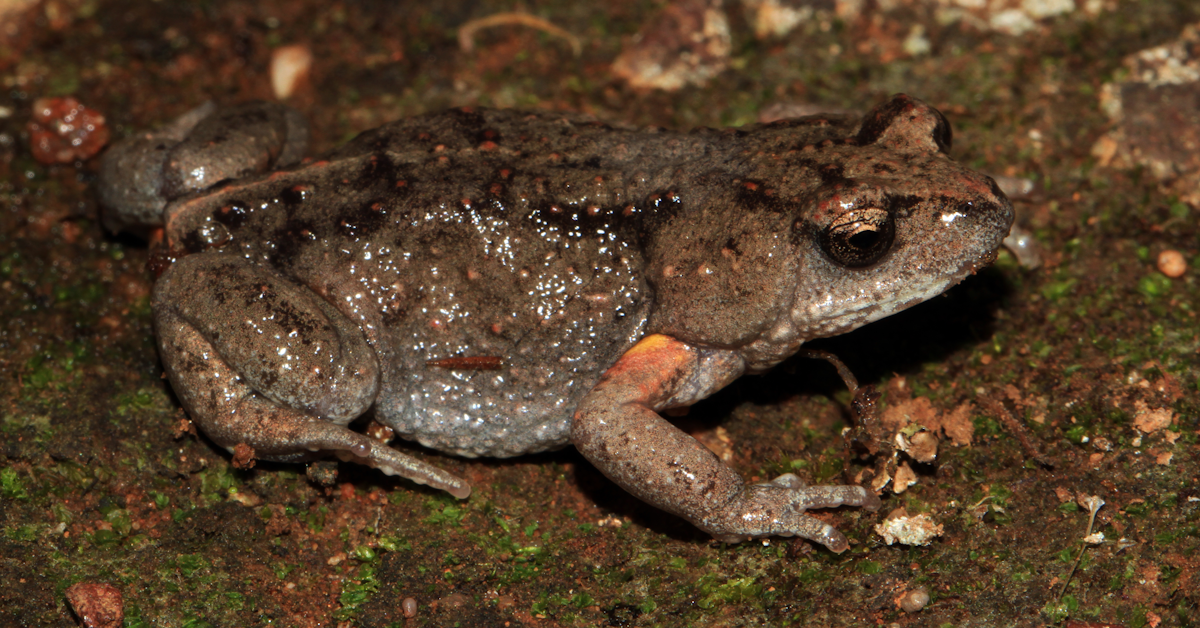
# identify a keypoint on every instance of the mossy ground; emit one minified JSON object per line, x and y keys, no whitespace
{"x":97,"y":483}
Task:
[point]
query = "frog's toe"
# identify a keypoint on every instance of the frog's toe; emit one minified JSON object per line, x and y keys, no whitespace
{"x":291,"y":432}
{"x":392,"y":462}
{"x":777,"y":508}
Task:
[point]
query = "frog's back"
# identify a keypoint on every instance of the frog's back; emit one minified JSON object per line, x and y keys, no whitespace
{"x":494,"y":263}
{"x":495,"y":260}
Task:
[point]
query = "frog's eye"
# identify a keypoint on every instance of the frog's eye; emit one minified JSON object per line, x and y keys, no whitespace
{"x":859,"y":237}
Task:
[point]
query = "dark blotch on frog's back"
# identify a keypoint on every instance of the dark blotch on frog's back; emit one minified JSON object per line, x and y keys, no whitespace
{"x":295,"y":195}
{"x":292,"y":236}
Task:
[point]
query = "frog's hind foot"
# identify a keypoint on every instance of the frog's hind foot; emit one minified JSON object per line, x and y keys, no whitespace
{"x":777,"y":508}
{"x":141,"y":174}
{"x":286,"y":435}
{"x":306,"y":438}
{"x":392,"y":462}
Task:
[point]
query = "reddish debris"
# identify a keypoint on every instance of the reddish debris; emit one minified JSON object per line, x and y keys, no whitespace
{"x":63,"y":131}
{"x":99,"y":605}
{"x":469,"y":363}
{"x":243,"y":456}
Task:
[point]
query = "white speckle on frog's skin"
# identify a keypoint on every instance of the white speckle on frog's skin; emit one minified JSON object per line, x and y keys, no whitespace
{"x":951,"y":217}
{"x":567,"y":283}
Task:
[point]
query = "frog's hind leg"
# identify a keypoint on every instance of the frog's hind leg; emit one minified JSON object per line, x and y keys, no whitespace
{"x":618,"y":429}
{"x":242,"y":376}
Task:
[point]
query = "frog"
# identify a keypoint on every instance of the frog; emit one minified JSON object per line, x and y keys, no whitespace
{"x":489,"y":282}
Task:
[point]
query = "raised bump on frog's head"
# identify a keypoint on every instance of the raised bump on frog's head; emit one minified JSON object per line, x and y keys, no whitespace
{"x":906,"y":125}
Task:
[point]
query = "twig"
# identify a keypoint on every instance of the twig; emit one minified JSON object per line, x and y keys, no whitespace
{"x":1093,"y":503}
{"x":466,"y":32}
{"x":863,"y":405}
{"x":1016,"y":428}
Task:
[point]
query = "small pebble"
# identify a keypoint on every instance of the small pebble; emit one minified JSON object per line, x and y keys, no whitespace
{"x":914,"y":600}
{"x":63,"y":130}
{"x":686,"y":42}
{"x":289,"y":66}
{"x":1024,"y":247}
{"x":97,"y":604}
{"x":1171,"y":263}
{"x":409,"y":607}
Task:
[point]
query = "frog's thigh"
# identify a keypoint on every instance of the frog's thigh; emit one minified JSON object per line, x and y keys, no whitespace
{"x":226,"y":403}
{"x":289,"y":344}
{"x":618,"y":429}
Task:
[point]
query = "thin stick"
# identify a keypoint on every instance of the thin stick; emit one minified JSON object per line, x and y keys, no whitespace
{"x":466,"y":32}
{"x":1093,"y":503}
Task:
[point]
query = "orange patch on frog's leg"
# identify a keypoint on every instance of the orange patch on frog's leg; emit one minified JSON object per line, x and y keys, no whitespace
{"x":652,"y":364}
{"x":617,"y":427}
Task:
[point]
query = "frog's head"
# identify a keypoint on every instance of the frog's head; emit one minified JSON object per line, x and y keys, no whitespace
{"x":815,"y":226}
{"x":893,"y":222}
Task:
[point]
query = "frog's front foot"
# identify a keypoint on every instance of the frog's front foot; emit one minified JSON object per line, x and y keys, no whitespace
{"x":617,"y":427}
{"x":776,"y":508}
{"x":261,"y":361}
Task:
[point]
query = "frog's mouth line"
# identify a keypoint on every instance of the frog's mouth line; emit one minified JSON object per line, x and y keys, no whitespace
{"x":852,"y":319}
{"x":867,"y":311}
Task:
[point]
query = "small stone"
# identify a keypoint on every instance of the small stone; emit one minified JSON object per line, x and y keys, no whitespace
{"x":1149,"y":420}
{"x":289,"y":66}
{"x":905,"y":477}
{"x":63,"y":130}
{"x":776,"y":18}
{"x":243,"y":456}
{"x":914,"y":600}
{"x":453,"y":601}
{"x":918,"y":530}
{"x":923,"y":446}
{"x":322,"y":472}
{"x":1171,"y":263}
{"x":687,"y":42}
{"x":97,"y":604}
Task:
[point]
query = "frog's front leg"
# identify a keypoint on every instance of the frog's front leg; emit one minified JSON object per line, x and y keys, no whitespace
{"x":261,"y":361}
{"x":617,"y":428}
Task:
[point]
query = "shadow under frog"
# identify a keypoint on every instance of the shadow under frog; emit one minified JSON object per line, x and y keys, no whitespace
{"x":494,"y":283}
